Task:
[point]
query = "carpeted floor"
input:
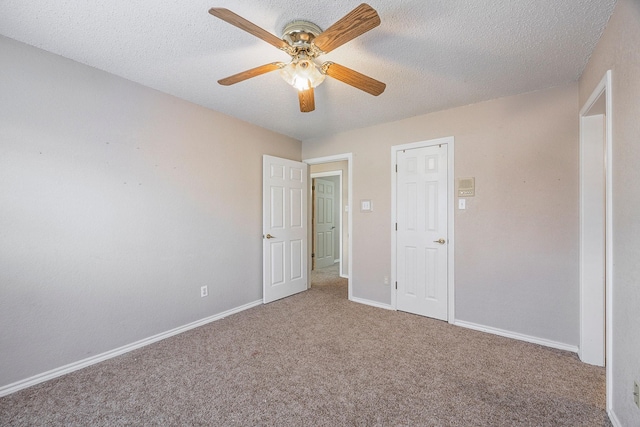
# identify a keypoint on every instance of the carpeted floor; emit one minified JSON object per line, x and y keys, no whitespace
{"x":317,"y":359}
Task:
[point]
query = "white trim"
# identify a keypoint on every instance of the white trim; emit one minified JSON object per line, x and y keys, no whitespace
{"x":338,"y":158}
{"x":450,"y":142}
{"x":613,"y":418}
{"x":71,"y":367}
{"x":337,"y":173}
{"x":605,"y":86}
{"x":372,"y":303}
{"x":517,"y":336}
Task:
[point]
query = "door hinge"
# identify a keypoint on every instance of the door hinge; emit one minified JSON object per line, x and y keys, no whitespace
{"x":396,"y":285}
{"x":396,"y":168}
{"x":396,"y":226}
{"x":313,"y":255}
{"x":313,"y":187}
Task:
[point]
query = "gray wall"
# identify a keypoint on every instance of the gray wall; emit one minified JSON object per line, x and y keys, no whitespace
{"x":517,"y":243}
{"x":117,"y":203}
{"x":618,"y":51}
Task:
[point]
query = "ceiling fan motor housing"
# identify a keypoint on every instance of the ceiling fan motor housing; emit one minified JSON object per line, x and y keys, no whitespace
{"x":300,"y":34}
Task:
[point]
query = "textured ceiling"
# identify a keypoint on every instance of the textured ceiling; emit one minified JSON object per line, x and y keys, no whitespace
{"x":432,"y":55}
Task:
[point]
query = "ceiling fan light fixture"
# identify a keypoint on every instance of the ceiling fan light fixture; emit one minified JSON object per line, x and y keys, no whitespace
{"x":302,"y":74}
{"x":304,"y":41}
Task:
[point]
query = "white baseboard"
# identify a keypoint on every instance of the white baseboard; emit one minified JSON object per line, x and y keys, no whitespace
{"x":57,"y":372}
{"x":614,"y":420}
{"x":517,"y":336}
{"x":371,"y":303}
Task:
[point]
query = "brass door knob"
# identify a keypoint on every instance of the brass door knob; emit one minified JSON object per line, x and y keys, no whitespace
{"x":269,"y":236}
{"x":441,"y":241}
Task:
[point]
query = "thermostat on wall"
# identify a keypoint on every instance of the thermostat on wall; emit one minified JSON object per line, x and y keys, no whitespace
{"x":466,"y":187}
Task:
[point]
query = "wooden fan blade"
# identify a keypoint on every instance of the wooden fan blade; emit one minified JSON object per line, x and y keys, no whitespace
{"x":357,"y":22}
{"x":249,"y":27}
{"x":353,"y":78}
{"x":236,"y":78}
{"x":307,"y":100}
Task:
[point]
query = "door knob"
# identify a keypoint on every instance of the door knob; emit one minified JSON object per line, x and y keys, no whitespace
{"x":441,"y":241}
{"x":269,"y":236}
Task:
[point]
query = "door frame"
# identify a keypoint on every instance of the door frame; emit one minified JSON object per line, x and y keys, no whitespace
{"x":449,"y":141}
{"x":348,"y":157}
{"x":337,"y":173}
{"x":603,"y":89}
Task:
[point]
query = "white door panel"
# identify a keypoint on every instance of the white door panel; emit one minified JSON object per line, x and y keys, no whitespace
{"x":284,"y":228}
{"x":422,"y":231}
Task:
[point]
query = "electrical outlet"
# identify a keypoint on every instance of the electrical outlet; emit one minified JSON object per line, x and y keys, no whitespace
{"x":204,"y":291}
{"x":386,"y":280}
{"x":636,"y":393}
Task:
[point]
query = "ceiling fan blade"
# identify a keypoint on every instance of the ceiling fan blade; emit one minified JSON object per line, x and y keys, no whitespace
{"x":307,"y":100}
{"x":236,"y":78}
{"x":357,"y":22}
{"x":250,"y":27}
{"x":353,"y":78}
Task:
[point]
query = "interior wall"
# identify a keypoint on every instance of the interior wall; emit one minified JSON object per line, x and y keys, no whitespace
{"x":618,"y":51}
{"x":117,"y":203}
{"x":516,"y":244}
{"x":340,"y":166}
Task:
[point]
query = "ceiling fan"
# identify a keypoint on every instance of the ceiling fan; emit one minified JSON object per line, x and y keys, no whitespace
{"x":305,"y":41}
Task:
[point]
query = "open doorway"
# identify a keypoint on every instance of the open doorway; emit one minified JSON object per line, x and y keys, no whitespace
{"x":330,"y":245}
{"x":596,"y":206}
{"x":326,"y":217}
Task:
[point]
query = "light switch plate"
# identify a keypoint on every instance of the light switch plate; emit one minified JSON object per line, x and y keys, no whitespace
{"x":462,"y":203}
{"x":366,"y":206}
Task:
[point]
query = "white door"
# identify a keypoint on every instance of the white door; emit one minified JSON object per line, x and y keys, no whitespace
{"x":284,"y":212}
{"x":324,"y":222}
{"x":422,"y":231}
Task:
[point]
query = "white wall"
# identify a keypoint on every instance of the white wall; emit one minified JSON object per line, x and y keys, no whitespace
{"x":117,"y":203}
{"x":618,"y":51}
{"x":517,"y":242}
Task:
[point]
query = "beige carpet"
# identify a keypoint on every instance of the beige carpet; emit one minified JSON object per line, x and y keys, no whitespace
{"x":317,"y":359}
